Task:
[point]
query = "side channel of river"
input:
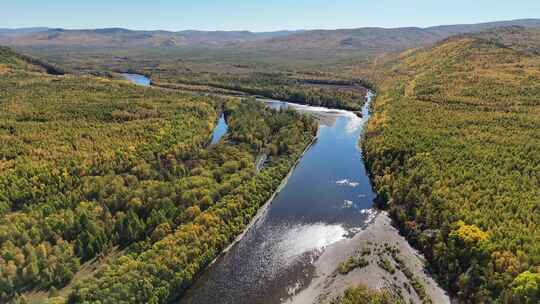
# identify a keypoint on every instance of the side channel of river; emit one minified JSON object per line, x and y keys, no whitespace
{"x":137,"y":79}
{"x":220,"y":130}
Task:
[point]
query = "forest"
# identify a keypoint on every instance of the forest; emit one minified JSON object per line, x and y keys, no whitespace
{"x":315,"y":91}
{"x":301,"y":77}
{"x":452,"y":148}
{"x":99,"y":177}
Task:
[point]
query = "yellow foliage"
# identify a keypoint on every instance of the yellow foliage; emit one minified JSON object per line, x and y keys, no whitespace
{"x":469,"y":233}
{"x":4,"y":69}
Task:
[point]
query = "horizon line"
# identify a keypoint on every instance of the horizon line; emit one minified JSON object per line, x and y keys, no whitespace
{"x":262,"y":32}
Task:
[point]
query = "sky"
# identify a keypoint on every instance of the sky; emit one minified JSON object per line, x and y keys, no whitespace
{"x":258,"y":15}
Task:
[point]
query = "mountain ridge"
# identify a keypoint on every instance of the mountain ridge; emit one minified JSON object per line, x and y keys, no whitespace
{"x":381,"y":40}
{"x":121,"y":37}
{"x":368,"y":39}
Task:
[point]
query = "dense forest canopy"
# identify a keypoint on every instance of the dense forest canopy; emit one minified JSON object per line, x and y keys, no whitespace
{"x":99,"y":176}
{"x":453,"y":149}
{"x":315,"y":91}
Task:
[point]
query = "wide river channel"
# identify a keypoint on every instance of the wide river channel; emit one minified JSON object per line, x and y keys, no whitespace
{"x":327,"y":198}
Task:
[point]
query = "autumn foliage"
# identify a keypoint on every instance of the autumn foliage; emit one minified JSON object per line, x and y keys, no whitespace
{"x":453,"y":151}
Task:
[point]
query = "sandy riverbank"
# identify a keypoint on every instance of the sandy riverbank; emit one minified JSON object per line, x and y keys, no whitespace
{"x":328,"y":283}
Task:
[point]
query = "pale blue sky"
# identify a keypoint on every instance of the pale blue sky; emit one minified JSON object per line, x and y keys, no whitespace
{"x":258,"y":15}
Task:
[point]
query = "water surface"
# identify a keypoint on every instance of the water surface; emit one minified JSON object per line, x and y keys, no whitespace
{"x":138,"y":79}
{"x":220,"y":130}
{"x":327,"y":198}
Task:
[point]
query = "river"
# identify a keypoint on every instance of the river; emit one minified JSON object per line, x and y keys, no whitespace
{"x":220,"y":130}
{"x":137,"y":79}
{"x":328,"y":198}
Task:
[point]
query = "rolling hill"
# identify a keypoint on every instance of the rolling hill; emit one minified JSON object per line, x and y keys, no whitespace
{"x":516,"y":37}
{"x":21,"y":31}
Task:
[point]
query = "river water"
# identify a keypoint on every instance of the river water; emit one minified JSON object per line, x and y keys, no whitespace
{"x":327,"y":198}
{"x":137,"y":79}
{"x":220,"y":130}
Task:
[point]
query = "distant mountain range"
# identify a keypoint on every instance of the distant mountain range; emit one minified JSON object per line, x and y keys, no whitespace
{"x":22,"y":31}
{"x":369,"y":40}
{"x":380,"y":40}
{"x":124,"y":38}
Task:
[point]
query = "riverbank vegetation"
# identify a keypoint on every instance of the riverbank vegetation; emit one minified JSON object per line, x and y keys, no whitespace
{"x":363,"y":295}
{"x":452,"y":148}
{"x":91,"y":166}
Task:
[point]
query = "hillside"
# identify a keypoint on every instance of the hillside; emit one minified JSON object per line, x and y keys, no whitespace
{"x":516,"y":37}
{"x":18,"y":62}
{"x":451,"y":30}
{"x":99,"y":175}
{"x":9,"y":60}
{"x":379,"y":40}
{"x":453,"y":150}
